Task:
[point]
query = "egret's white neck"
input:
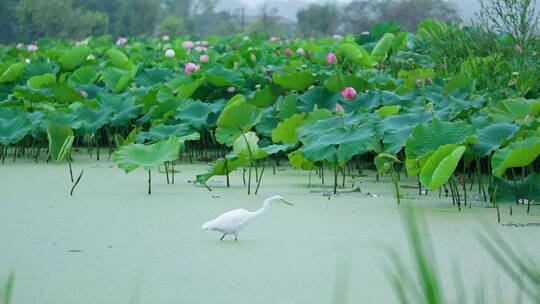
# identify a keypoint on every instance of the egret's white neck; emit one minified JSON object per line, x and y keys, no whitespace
{"x":263,"y":209}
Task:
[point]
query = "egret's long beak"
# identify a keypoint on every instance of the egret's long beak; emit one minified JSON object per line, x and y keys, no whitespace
{"x":287,"y":202}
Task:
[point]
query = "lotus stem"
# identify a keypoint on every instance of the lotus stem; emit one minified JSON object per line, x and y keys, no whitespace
{"x":149,"y":182}
{"x":335,"y":178}
{"x":70,"y":169}
{"x":227,"y":171}
{"x":76,"y":183}
{"x":259,"y":181}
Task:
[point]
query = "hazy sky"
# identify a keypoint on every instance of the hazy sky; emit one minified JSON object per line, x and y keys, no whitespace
{"x":256,"y":2}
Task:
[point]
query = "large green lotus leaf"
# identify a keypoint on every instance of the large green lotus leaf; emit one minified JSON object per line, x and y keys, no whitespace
{"x":246,"y":146}
{"x":286,"y":130}
{"x":268,"y":122}
{"x":388,"y":111}
{"x":119,"y":59}
{"x":41,"y":81}
{"x":264,"y":98}
{"x":429,"y":137}
{"x":511,"y":110}
{"x":516,"y":154}
{"x":14,"y":125}
{"x":82,"y":76}
{"x":463,"y":82}
{"x":400,"y":42}
{"x":334,"y":83}
{"x":441,"y":165}
{"x":313,"y":117}
{"x":156,"y":133}
{"x":195,"y":114}
{"x":273,"y":149}
{"x":383,"y":162}
{"x":294,"y":81}
{"x":337,"y":145}
{"x":164,"y":110}
{"x":61,"y":117}
{"x":123,"y":108}
{"x":227,"y":135}
{"x":287,"y":107}
{"x":318,"y":98}
{"x":40,"y":68}
{"x":57,"y":136}
{"x":299,"y":161}
{"x":74,"y":57}
{"x":133,"y":156}
{"x":12,"y":73}
{"x":239,"y":115}
{"x":380,"y":51}
{"x":180,"y":87}
{"x":92,"y":119}
{"x":512,"y":191}
{"x":117,"y":80}
{"x":222,"y":77}
{"x":222,"y":167}
{"x":153,"y":76}
{"x":66,"y":94}
{"x":38,"y":95}
{"x":356,"y":54}
{"x":491,"y":138}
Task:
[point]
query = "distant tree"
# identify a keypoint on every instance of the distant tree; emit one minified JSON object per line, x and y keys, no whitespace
{"x":267,"y":23}
{"x":8,"y":20}
{"x":360,"y":15}
{"x":136,"y":17}
{"x":58,"y":19}
{"x":179,"y":8}
{"x":318,"y":20}
{"x":171,"y":25}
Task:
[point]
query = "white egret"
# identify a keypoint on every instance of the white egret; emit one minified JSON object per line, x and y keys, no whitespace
{"x":235,"y":220}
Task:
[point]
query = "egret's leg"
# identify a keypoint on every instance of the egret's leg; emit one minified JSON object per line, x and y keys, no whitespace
{"x":236,"y":236}
{"x":221,"y":239}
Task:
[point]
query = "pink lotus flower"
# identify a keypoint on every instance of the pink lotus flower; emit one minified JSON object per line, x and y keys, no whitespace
{"x":443,"y":66}
{"x":187,"y":44}
{"x":275,"y":39}
{"x":165,"y":38}
{"x":84,"y":42}
{"x":170,"y":53}
{"x":204,"y":58}
{"x":337,"y":37}
{"x":83,"y":94}
{"x":300,"y":51}
{"x":277,"y":52}
{"x":518,"y":48}
{"x":32,"y":47}
{"x":204,"y":42}
{"x":288,"y":52}
{"x":349,"y":93}
{"x":418,"y":81}
{"x":121,"y":41}
{"x":19,"y":45}
{"x":128,"y":46}
{"x":191,"y":67}
{"x":331,"y":58}
{"x":200,"y":49}
{"x":339,"y":109}
{"x":429,"y":81}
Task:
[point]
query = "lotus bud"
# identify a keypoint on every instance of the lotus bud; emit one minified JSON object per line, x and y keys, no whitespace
{"x":253,"y":57}
{"x":233,"y":46}
{"x":27,"y":60}
{"x":231,"y":89}
{"x":331,"y":58}
{"x":187,"y":44}
{"x":337,"y":37}
{"x":443,"y":66}
{"x":429,"y":81}
{"x":418,"y":82}
{"x":83,"y":94}
{"x":200,"y":49}
{"x":170,"y":53}
{"x":204,"y":42}
{"x":300,"y":51}
{"x":191,"y":67}
{"x":174,"y":92}
{"x":308,"y":54}
{"x":288,"y":52}
{"x":204,"y":58}
{"x":277,"y":52}
{"x":463,"y":180}
{"x":32,"y":47}
{"x":165,"y":38}
{"x":121,"y":41}
{"x":128,"y":46}
{"x":311,"y":87}
{"x":246,"y":38}
{"x":84,"y":42}
{"x":19,"y":45}
{"x":339,"y":109}
{"x":349,"y":93}
{"x":518,"y":48}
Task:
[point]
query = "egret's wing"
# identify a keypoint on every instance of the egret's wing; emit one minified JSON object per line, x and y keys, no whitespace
{"x":231,"y":220}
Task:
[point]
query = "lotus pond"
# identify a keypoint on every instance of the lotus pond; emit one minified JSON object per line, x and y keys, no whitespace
{"x":113,"y":154}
